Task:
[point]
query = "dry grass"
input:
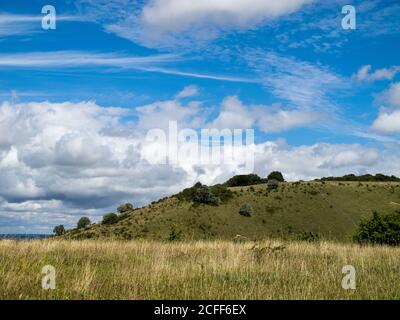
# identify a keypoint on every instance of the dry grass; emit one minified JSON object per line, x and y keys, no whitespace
{"x":196,"y":270}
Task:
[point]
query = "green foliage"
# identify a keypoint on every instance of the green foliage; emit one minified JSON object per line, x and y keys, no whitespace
{"x":380,"y":229}
{"x":174,"y":235}
{"x":276,"y":175}
{"x":125,"y":207}
{"x":366,"y":177}
{"x":244,"y":180}
{"x":204,"y":195}
{"x":83,"y":223}
{"x":207,"y":195}
{"x":59,"y":230}
{"x":110,"y":218}
{"x":246,"y":210}
{"x":222,"y":192}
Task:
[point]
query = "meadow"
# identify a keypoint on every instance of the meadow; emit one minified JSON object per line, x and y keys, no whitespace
{"x":142,"y":269}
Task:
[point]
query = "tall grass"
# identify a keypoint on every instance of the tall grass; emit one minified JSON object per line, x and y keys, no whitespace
{"x":196,"y":270}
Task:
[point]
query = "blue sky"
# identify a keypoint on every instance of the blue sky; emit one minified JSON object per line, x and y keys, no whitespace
{"x":75,"y":102}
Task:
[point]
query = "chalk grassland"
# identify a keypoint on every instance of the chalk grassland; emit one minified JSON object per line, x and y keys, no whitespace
{"x":332,"y":210}
{"x":94,"y":269}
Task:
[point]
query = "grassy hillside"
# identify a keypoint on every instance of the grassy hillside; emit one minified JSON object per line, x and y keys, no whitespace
{"x":332,"y":210}
{"x":197,"y":270}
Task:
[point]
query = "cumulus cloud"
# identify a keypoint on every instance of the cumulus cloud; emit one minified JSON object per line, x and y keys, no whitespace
{"x":59,"y":161}
{"x":234,"y":114}
{"x":365,"y":74}
{"x":388,"y":120}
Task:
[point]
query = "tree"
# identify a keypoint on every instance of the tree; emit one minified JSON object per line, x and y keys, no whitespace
{"x":83,"y":223}
{"x":110,"y":218}
{"x":59,"y":230}
{"x":276,"y":175}
{"x":380,"y":229}
{"x":244,"y":180}
{"x":125,"y":207}
{"x":246,"y":210}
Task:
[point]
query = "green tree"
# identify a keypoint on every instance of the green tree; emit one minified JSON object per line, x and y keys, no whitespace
{"x":110,"y":218}
{"x":59,"y":230}
{"x":276,"y":175}
{"x":83,"y":223}
{"x":380,"y":229}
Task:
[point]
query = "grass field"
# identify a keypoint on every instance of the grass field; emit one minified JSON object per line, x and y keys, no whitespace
{"x":94,"y":269}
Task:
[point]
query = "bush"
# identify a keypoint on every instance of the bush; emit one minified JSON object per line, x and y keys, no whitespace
{"x":276,"y":175}
{"x":204,"y":195}
{"x":174,"y":235}
{"x":59,"y":230}
{"x":380,"y":229}
{"x":246,"y":210}
{"x":125,"y":207}
{"x":273,"y":184}
{"x":110,"y":218}
{"x":83,"y":223}
{"x":208,"y":195}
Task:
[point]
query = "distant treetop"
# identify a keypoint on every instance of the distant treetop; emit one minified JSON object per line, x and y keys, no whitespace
{"x":244,"y":180}
{"x":276,"y":175}
{"x":366,"y":177}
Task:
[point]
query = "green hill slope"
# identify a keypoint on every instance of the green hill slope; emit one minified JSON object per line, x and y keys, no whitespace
{"x":332,"y":210}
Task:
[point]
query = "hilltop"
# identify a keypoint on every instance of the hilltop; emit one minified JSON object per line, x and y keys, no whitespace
{"x":298,"y":210}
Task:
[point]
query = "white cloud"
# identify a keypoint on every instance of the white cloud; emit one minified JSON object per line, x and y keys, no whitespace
{"x":179,"y":22}
{"x":188,"y":91}
{"x":387,"y":122}
{"x":71,"y":59}
{"x":234,"y":114}
{"x":179,"y":15}
{"x":365,"y":74}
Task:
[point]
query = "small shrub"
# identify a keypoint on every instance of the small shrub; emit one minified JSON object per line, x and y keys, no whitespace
{"x":110,"y":218}
{"x":272,"y":184}
{"x":246,"y":210}
{"x":174,"y":234}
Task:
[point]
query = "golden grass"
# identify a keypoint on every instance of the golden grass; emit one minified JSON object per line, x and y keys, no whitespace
{"x":196,"y":270}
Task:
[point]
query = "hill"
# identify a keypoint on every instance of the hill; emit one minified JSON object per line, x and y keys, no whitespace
{"x":299,"y":210}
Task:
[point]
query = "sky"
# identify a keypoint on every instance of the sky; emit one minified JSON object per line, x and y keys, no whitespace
{"x":77,"y":102}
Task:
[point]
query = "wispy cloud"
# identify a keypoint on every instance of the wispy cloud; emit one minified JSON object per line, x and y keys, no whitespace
{"x":68,"y":59}
{"x":80,"y":59}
